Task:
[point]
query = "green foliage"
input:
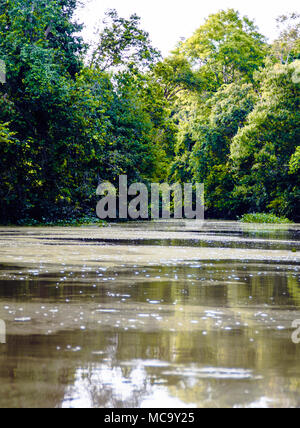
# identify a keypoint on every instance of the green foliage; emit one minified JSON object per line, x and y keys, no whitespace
{"x":204,"y":145}
{"x":295,"y":162}
{"x":86,"y":220}
{"x":226,"y":48}
{"x":65,"y":127}
{"x":175,"y":74}
{"x":264,"y":218}
{"x":286,"y":47}
{"x":262,"y":150}
{"x":223,"y":109}
{"x":238,"y":131}
{"x":123,"y":43}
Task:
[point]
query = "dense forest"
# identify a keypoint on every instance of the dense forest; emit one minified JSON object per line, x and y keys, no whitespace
{"x":222,"y":109}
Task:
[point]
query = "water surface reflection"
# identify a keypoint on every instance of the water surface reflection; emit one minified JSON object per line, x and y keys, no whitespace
{"x":155,"y":331}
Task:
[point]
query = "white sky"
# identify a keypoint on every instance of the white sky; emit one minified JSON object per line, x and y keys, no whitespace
{"x":169,"y":20}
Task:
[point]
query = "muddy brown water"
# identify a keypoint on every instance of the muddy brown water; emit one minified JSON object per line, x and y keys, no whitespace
{"x":158,"y":314}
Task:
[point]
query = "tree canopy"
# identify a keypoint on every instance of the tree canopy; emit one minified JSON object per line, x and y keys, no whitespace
{"x":222,"y":109}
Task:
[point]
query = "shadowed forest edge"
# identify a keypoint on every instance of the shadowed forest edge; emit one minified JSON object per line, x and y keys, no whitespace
{"x":222,"y":109}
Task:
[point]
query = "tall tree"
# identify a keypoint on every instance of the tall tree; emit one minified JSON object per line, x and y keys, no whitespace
{"x":226,"y":48}
{"x":123,"y":43}
{"x":264,"y":151}
{"x":287,"y":47}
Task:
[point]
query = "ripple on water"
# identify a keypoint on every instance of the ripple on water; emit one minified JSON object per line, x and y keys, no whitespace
{"x":210,"y":314}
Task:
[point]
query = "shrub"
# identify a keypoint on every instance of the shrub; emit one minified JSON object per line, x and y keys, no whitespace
{"x":263,"y":218}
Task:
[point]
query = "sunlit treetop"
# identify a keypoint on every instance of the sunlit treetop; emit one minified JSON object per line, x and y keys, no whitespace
{"x":226,"y":45}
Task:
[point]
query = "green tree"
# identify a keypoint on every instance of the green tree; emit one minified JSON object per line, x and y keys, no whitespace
{"x":226,"y":48}
{"x":287,"y":47}
{"x":123,"y":43}
{"x":175,"y":75}
{"x":68,"y":126}
{"x":263,"y":151}
{"x":295,"y":161}
{"x":212,"y":132}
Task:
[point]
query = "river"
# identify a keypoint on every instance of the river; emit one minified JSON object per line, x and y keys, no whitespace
{"x":155,"y":314}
